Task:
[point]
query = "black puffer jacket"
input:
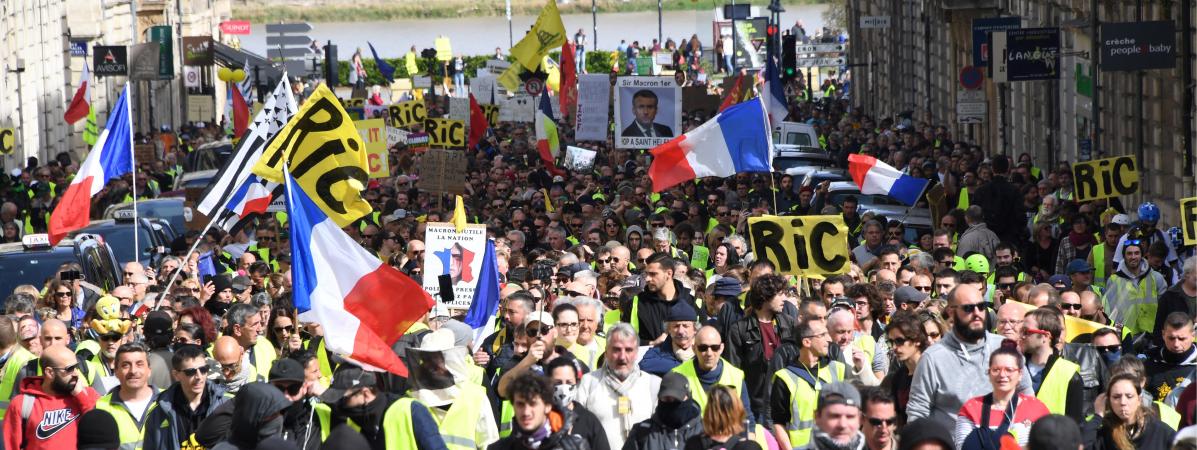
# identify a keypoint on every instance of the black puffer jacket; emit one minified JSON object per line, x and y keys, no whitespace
{"x":655,"y":434}
{"x":746,"y":351}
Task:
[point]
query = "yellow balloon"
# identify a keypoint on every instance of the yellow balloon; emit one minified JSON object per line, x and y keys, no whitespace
{"x":238,"y":76}
{"x":224,"y":74}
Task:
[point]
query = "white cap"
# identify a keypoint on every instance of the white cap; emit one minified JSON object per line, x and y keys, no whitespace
{"x":1121,"y":219}
{"x":16,"y":172}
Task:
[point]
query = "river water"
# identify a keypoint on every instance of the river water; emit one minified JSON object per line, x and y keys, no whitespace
{"x":480,"y":35}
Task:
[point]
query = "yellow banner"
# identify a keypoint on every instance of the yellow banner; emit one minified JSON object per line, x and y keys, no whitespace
{"x":1105,"y":178}
{"x":7,"y":141}
{"x":410,"y":63}
{"x":510,"y":78}
{"x":445,"y":133}
{"x":374,"y":134}
{"x":325,"y":155}
{"x":548,"y":33}
{"x":1188,"y":218}
{"x":444,"y":50}
{"x":492,"y":114}
{"x":803,"y":246}
{"x":1073,"y":326}
{"x":407,"y":113}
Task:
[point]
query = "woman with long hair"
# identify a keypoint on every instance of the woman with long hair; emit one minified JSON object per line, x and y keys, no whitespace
{"x":1127,"y":424}
{"x":722,"y":421}
{"x":60,"y":298}
{"x":933,"y":326}
{"x":283,"y":331}
{"x":725,"y":257}
{"x":985,"y":421}
{"x":907,"y":341}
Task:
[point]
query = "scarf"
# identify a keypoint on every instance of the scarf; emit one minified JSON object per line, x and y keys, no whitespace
{"x":1079,"y":240}
{"x":823,"y":441}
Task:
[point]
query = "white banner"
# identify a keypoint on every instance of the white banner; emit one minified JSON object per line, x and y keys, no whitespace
{"x":594,"y":100}
{"x":579,"y":159}
{"x":521,"y":108}
{"x":396,"y":136}
{"x":458,"y":255}
{"x":459,"y":109}
{"x":483,"y":88}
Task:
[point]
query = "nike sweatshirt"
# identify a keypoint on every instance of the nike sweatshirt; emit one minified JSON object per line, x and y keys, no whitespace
{"x":52,"y":421}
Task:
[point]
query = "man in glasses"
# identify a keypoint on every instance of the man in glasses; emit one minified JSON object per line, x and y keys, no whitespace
{"x":538,"y":327}
{"x":880,"y":423}
{"x":187,"y":402}
{"x":131,"y":401}
{"x":1131,"y":293}
{"x":948,"y":371}
{"x":1056,"y":380}
{"x":795,"y":387}
{"x":42,"y":415}
{"x":1080,"y":274}
{"x":234,"y":371}
{"x":708,"y":368}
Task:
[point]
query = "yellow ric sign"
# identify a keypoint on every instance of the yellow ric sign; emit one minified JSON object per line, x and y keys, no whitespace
{"x":8,"y":139}
{"x":374,"y":134}
{"x":492,"y":114}
{"x":325,"y":155}
{"x":1073,"y":326}
{"x":356,"y":102}
{"x":1105,"y":178}
{"x":1188,"y":219}
{"x":548,"y":33}
{"x":803,"y":246}
{"x":407,"y":113}
{"x":445,"y":133}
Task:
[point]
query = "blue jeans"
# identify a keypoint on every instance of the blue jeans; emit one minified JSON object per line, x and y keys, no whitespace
{"x":581,"y":60}
{"x":459,"y":84}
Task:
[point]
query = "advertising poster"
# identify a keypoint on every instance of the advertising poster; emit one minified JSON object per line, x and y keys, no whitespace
{"x":648,"y":111}
{"x":458,"y":255}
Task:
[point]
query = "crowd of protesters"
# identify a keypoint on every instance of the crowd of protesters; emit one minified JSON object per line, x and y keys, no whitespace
{"x":635,"y":320}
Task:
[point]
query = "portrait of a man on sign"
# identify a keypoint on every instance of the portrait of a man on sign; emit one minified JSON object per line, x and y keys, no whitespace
{"x":644,"y":106}
{"x":648,"y":111}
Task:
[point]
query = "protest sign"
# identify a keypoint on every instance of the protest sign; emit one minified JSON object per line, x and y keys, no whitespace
{"x":459,"y":109}
{"x":1188,"y":220}
{"x":371,"y":132}
{"x":355,"y":102}
{"x":698,"y":104}
{"x":417,"y":142}
{"x":521,"y":108}
{"x":1105,"y":178}
{"x":1074,"y":327}
{"x":458,"y":255}
{"x":492,"y":114}
{"x":594,"y":99}
{"x":407,"y":113}
{"x":483,"y":88}
{"x":648,"y":111}
{"x":396,"y":136}
{"x":441,"y":171}
{"x":377,"y":112}
{"x":445,"y":133}
{"x":579,"y":159}
{"x":144,"y":152}
{"x":802,"y":246}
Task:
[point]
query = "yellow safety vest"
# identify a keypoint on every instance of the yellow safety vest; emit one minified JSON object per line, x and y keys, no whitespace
{"x":589,"y":354}
{"x":731,"y":377}
{"x":633,"y":318}
{"x":262,"y":355}
{"x":610,"y":318}
{"x":397,"y":430}
{"x":1140,"y":318}
{"x":19,"y":358}
{"x":1099,"y":265}
{"x":963,"y":203}
{"x":506,"y":414}
{"x":804,"y":398}
{"x":88,"y":345}
{"x":1053,"y":392}
{"x":324,"y":417}
{"x":1168,"y":415}
{"x":132,"y":432}
{"x":460,"y":425}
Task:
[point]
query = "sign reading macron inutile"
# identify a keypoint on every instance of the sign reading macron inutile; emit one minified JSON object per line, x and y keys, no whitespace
{"x":1138,"y":46}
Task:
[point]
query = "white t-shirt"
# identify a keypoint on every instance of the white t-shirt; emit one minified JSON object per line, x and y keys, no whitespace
{"x":137,"y":408}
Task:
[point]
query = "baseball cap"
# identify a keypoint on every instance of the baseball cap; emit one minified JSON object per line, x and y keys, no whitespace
{"x":541,"y":316}
{"x":97,"y":429}
{"x":1121,"y":219}
{"x":286,"y":369}
{"x":674,"y":385}
{"x":1057,"y":280}
{"x":157,"y":323}
{"x":922,"y":431}
{"x":240,"y":283}
{"x":345,"y":378}
{"x":573,"y":269}
{"x":1078,"y":266}
{"x":727,"y":287}
{"x":839,"y":393}
{"x":907,"y":294}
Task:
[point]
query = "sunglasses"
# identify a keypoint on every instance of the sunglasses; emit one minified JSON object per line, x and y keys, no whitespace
{"x":290,"y":388}
{"x":1107,"y":348}
{"x":202,"y":370}
{"x":877,"y":421}
{"x":899,"y":341}
{"x":110,"y":338}
{"x":708,"y":348}
{"x":67,"y":369}
{"x":538,"y":332}
{"x":921,"y":288}
{"x":62,"y":294}
{"x":1076,"y":306}
{"x":289,"y":329}
{"x":971,"y":308}
{"x":604,"y":260}
{"x":265,"y":238}
{"x":416,"y":252}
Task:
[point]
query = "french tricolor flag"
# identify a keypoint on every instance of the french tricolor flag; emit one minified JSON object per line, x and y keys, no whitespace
{"x":111,"y":157}
{"x":737,"y":140}
{"x":363,"y":305}
{"x":774,"y":93}
{"x":876,"y":177}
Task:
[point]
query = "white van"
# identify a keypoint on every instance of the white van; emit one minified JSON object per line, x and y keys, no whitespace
{"x":795,"y":133}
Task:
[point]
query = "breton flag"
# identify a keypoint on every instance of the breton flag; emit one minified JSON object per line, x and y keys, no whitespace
{"x":363,"y":304}
{"x":81,"y":104}
{"x":111,"y":157}
{"x":234,"y":179}
{"x":876,"y":177}
{"x":547,"y":143}
{"x":774,"y":93}
{"x":737,"y":140}
{"x":485,"y":306}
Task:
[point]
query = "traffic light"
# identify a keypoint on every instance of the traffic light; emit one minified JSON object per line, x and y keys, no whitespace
{"x":331,"y":66}
{"x":789,"y":57}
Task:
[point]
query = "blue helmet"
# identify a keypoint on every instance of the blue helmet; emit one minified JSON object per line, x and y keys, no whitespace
{"x":1148,"y":212}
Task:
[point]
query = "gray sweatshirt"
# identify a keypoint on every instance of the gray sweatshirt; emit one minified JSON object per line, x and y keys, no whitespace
{"x":949,"y":374}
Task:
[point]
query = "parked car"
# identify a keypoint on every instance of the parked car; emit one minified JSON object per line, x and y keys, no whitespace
{"x":34,"y":261}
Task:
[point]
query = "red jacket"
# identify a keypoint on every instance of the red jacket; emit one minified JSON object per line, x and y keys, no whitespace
{"x":52,"y":422}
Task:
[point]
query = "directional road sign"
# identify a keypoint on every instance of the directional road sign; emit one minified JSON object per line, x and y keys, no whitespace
{"x":292,"y":52}
{"x":821,"y":62}
{"x":288,"y":40}
{"x":288,"y":27}
{"x":821,"y":48}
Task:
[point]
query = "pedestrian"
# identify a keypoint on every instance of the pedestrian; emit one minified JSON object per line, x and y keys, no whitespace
{"x":986,"y":421}
{"x":185,"y":403}
{"x":42,"y":414}
{"x":619,"y":393}
{"x":837,"y":419}
{"x":1126,"y":424}
{"x":676,"y":419}
{"x":540,"y":423}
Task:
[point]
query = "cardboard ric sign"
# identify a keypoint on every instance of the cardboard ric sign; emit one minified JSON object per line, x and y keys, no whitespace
{"x":7,"y":141}
{"x":1105,"y":178}
{"x":802,"y":246}
{"x":1188,"y":220}
{"x":441,"y":170}
{"x":446,"y":133}
{"x":408,"y":113}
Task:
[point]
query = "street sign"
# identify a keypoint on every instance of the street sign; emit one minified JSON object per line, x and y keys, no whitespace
{"x":821,"y":62}
{"x":191,"y":76}
{"x":821,"y":48}
{"x":970,"y":96}
{"x":288,"y":27}
{"x":293,"y":52}
{"x":287,"y":40}
{"x":874,"y":22}
{"x":981,"y":30}
{"x":971,"y":77}
{"x":241,"y":27}
{"x":297,"y":67}
{"x":198,"y":51}
{"x":161,"y":35}
{"x":143,"y":62}
{"x":110,"y":60}
{"x":533,"y":86}
{"x":78,"y":48}
{"x":971,"y":112}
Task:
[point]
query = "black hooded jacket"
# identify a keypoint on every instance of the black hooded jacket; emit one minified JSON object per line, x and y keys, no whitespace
{"x":252,"y":420}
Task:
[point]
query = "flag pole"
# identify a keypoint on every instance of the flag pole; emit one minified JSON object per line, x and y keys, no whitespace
{"x":133,"y":185}
{"x":174,"y":277}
